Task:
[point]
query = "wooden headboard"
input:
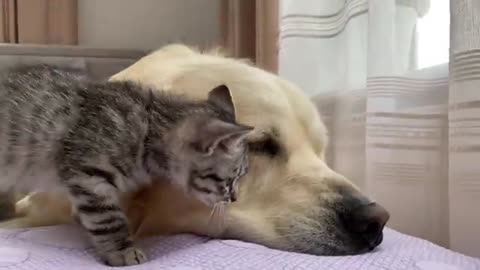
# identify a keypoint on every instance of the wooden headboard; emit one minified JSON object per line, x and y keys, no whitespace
{"x":99,"y":63}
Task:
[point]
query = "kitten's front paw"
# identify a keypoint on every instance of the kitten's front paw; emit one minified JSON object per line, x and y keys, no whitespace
{"x":126,"y":257}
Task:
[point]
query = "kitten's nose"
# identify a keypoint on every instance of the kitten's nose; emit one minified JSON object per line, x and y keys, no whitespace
{"x":229,"y":198}
{"x":233,"y":197}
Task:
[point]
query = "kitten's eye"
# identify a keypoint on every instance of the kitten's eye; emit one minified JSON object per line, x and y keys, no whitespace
{"x":212,"y":176}
{"x":201,"y":189}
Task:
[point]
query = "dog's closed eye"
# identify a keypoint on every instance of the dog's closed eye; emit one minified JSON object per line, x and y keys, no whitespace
{"x":266,"y":146}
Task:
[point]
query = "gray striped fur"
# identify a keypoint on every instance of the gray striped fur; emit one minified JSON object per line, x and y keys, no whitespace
{"x":95,"y":140}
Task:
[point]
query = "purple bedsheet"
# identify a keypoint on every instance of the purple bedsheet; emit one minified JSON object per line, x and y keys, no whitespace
{"x":64,"y":247}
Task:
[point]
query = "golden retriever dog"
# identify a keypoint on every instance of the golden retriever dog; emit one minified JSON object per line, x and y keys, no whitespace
{"x":290,"y":199}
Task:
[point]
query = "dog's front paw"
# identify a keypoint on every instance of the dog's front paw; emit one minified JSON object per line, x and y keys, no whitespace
{"x":126,"y":257}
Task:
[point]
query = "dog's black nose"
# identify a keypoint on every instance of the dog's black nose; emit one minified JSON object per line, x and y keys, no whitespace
{"x":367,"y":222}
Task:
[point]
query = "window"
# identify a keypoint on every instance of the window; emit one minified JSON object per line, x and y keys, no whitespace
{"x":433,"y":32}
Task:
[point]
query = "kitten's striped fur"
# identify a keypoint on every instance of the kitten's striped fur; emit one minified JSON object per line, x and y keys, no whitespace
{"x":98,"y":139}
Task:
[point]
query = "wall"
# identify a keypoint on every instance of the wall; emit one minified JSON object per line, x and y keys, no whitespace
{"x":147,"y":24}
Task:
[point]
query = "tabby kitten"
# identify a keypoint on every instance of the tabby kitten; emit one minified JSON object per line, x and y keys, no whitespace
{"x":96,"y":140}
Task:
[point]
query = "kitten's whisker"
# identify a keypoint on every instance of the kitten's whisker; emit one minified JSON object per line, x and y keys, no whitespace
{"x":221,"y":215}
{"x":219,"y":211}
{"x":216,"y":219}
{"x":212,"y":213}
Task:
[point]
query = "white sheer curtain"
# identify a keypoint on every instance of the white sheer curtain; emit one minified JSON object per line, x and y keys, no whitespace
{"x":410,"y":138}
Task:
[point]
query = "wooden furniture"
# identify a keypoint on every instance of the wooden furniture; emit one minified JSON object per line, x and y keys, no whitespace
{"x":100,"y":63}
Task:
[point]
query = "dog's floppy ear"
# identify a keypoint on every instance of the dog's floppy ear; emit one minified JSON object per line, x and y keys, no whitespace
{"x":221,"y":97}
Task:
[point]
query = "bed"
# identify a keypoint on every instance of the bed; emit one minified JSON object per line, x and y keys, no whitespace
{"x":65,"y":247}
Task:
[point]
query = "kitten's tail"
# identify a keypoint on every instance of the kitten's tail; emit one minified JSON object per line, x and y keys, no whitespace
{"x":7,"y":205}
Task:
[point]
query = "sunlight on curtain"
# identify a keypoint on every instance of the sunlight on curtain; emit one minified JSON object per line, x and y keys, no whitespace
{"x":406,"y":136}
{"x":433,"y":40}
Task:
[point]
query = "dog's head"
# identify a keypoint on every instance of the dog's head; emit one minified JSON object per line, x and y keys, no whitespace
{"x":290,"y":199}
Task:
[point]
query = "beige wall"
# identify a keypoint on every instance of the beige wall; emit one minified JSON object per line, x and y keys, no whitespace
{"x":147,"y":24}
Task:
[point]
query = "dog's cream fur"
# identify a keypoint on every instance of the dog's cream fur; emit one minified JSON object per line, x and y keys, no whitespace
{"x":284,"y":201}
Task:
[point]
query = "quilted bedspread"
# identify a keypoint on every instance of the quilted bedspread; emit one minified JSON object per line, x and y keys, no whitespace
{"x":65,"y":247}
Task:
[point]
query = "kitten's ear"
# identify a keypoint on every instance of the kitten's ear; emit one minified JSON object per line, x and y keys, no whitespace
{"x":220,"y":96}
{"x":217,"y":134}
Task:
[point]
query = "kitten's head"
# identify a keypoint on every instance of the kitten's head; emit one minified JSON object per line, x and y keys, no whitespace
{"x":215,"y":148}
